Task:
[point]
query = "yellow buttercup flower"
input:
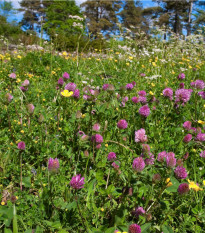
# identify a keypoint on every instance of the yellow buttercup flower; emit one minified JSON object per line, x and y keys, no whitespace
{"x":194,"y":186}
{"x":204,"y":182}
{"x":151,"y":93}
{"x":102,"y":209}
{"x":168,"y":182}
{"x":3,"y":203}
{"x":201,"y":122}
{"x":106,"y":145}
{"x":66,"y":93}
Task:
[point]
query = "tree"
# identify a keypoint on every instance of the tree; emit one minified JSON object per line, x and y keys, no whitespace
{"x":132,"y":17}
{"x":101,"y":16}
{"x":6,"y":8}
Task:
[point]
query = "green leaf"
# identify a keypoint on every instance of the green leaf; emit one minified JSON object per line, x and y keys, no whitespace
{"x":110,"y":230}
{"x":7,"y":230}
{"x":15,"y":225}
{"x":167,"y":229}
{"x":145,"y":227}
{"x":26,"y":181}
{"x":175,"y":185}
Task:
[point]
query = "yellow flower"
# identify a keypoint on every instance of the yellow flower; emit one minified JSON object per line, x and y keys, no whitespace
{"x":130,"y":58}
{"x":117,"y":109}
{"x":168,"y":182}
{"x":102,"y":209}
{"x":22,"y":131}
{"x":66,"y":93}
{"x":3,"y":203}
{"x":190,"y":67}
{"x":19,"y":123}
{"x":18,"y":80}
{"x":117,"y":53}
{"x":173,"y":72}
{"x":115,"y":60}
{"x":194,"y":186}
{"x":143,"y":66}
{"x":64,"y":54}
{"x":153,"y":84}
{"x":106,"y":145}
{"x":201,"y":122}
{"x":98,"y":59}
{"x":11,"y":143}
{"x":19,"y":56}
{"x":154,"y":64}
{"x":128,"y":64}
{"x":204,"y":182}
{"x":194,"y":150}
{"x":24,"y":124}
{"x":83,"y":115}
{"x":44,"y":100}
{"x":151,"y":93}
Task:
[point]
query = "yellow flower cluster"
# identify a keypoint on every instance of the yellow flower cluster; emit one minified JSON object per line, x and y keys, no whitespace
{"x":169,"y":183}
{"x":194,"y":186}
{"x":66,"y":93}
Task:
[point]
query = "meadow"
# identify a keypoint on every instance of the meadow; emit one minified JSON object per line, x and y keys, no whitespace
{"x":110,"y":141}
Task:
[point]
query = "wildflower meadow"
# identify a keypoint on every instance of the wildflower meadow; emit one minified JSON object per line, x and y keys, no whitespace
{"x":108,"y":141}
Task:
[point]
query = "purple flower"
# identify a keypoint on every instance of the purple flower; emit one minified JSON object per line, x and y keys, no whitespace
{"x":183,"y":188}
{"x":87,"y":97}
{"x":24,"y":89}
{"x":96,"y":127}
{"x":70,"y":86}
{"x":105,"y":86}
{"x":134,"y":228}
{"x":122,"y":124}
{"x":180,"y":172}
{"x":21,"y":145}
{"x":12,"y":75}
{"x":142,"y":75}
{"x":202,"y":94}
{"x":168,"y":92}
{"x":66,"y":75}
{"x":129,"y":86}
{"x":76,"y":94}
{"x":200,"y":137}
{"x":142,"y":99}
{"x":26,"y":83}
{"x":187,"y":138}
{"x":161,"y":156}
{"x":171,"y":160}
{"x":53,"y":165}
{"x":144,"y":111}
{"x":138,"y":211}
{"x":30,"y":108}
{"x":80,"y":133}
{"x":181,"y":85}
{"x":77,"y":182}
{"x":8,"y":97}
{"x":145,"y":148}
{"x":149,"y":160}
{"x":97,"y":139}
{"x":198,"y":84}
{"x":142,"y":93}
{"x":182,"y":95}
{"x":181,"y":76}
{"x":138,"y":164}
{"x":202,"y":154}
{"x":60,"y":81}
{"x":187,"y":125}
{"x":135,"y":99}
{"x":140,"y":135}
{"x":115,"y":165}
{"x":133,"y":83}
{"x":111,"y":156}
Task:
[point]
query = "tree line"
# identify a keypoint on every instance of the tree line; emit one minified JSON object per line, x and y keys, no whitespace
{"x":64,"y":21}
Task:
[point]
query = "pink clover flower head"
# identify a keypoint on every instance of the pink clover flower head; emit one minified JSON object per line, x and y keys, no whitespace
{"x":129,"y":86}
{"x":181,"y":76}
{"x":135,"y":99}
{"x":76,"y":94}
{"x":66,"y":75}
{"x":181,"y":85}
{"x":142,"y":93}
{"x":96,"y":127}
{"x":183,"y":188}
{"x":144,"y":111}
{"x":182,"y":95}
{"x":105,"y":86}
{"x":98,"y":139}
{"x":198,"y":84}
{"x":187,"y":138}
{"x":77,"y":182}
{"x":171,"y":160}
{"x":26,"y":83}
{"x":23,"y":89}
{"x":140,"y":136}
{"x":21,"y":145}
{"x":60,"y":81}
{"x":122,"y":124}
{"x":142,"y":75}
{"x":168,"y":92}
{"x":98,"y":146}
{"x":161,"y":156}
{"x":202,"y":94}
{"x":115,"y":165}
{"x":87,"y":97}
{"x":150,"y":159}
{"x":125,"y":99}
{"x":80,"y":133}
{"x":70,"y":86}
{"x":111,"y":156}
{"x":142,"y":99}
{"x":180,"y":172}
{"x":202,"y":154}
{"x":30,"y":108}
{"x":138,"y":211}
{"x":200,"y":137}
{"x":134,"y":83}
{"x":138,"y":164}
{"x":12,"y":75}
{"x":187,"y":125}
{"x":134,"y":228}
{"x":53,"y":165}
{"x":8,"y":97}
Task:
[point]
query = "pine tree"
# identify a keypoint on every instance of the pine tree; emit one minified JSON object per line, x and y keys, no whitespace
{"x":101,"y":16}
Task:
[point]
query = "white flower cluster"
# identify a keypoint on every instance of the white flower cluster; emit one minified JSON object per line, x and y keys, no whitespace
{"x":76,"y":17}
{"x":78,"y":25}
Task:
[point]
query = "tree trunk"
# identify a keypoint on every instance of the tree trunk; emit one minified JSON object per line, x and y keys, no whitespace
{"x":189,"y":20}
